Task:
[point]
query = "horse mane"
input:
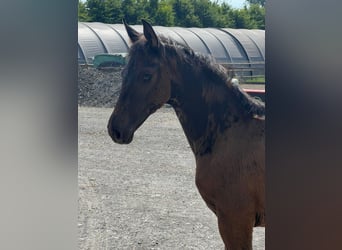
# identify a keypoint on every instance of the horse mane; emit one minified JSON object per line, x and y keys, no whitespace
{"x":252,"y":106}
{"x":220,"y":75}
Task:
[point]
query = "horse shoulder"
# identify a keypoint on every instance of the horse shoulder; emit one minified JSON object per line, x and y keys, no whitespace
{"x":234,"y":169}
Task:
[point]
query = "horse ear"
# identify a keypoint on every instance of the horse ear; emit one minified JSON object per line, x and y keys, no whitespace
{"x":132,"y":33}
{"x":150,"y":35}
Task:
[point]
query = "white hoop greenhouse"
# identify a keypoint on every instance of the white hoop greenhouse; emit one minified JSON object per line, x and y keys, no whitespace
{"x":241,"y":49}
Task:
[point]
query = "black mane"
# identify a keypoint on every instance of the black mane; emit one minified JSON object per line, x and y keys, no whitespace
{"x":251,"y":105}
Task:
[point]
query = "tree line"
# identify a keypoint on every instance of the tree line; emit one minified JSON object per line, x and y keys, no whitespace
{"x":183,"y":13}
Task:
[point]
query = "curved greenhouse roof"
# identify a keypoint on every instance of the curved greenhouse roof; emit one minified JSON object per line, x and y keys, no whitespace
{"x":241,"y":48}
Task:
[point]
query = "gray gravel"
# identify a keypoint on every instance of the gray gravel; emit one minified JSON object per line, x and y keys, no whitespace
{"x":142,"y":195}
{"x":98,"y":87}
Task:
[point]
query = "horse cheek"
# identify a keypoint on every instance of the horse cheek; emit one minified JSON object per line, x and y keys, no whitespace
{"x":165,"y":89}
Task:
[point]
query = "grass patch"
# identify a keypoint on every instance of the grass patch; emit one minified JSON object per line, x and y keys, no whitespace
{"x":259,"y":79}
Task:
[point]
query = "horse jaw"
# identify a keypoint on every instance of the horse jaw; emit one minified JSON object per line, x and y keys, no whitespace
{"x":123,"y":132}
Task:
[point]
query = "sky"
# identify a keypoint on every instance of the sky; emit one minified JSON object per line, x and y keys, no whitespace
{"x":238,"y":4}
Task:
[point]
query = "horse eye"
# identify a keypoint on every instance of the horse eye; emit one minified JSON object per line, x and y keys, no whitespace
{"x":147,"y":77}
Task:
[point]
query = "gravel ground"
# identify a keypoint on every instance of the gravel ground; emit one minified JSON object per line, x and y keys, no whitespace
{"x":142,"y":195}
{"x":98,"y":87}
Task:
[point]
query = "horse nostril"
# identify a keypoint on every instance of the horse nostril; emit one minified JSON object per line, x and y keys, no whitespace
{"x":117,"y":134}
{"x":114,"y":133}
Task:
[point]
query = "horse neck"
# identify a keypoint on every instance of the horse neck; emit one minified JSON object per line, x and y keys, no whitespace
{"x":200,"y":99}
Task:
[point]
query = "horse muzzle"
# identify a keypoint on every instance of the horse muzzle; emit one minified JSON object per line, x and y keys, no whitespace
{"x":120,"y":135}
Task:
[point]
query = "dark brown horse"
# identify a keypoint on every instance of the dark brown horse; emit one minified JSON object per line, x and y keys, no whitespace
{"x":224,"y":126}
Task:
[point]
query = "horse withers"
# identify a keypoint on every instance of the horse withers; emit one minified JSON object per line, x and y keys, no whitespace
{"x":224,"y":126}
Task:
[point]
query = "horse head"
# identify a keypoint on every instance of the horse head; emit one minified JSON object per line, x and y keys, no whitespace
{"x":146,"y":84}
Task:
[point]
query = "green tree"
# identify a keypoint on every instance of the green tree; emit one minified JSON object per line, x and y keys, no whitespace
{"x":226,"y":16}
{"x":205,"y":11}
{"x":152,"y":9}
{"x":113,"y":11}
{"x":96,"y":10}
{"x":257,"y":15}
{"x":242,"y":19}
{"x":141,"y":11}
{"x":134,"y":11}
{"x":82,"y":12}
{"x":129,"y":11}
{"x":185,"y":14}
{"x":259,"y":2}
{"x":164,"y":15}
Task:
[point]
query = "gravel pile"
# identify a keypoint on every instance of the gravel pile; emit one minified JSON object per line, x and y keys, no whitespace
{"x":98,"y":87}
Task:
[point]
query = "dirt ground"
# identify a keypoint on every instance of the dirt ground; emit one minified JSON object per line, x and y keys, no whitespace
{"x":142,"y":195}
